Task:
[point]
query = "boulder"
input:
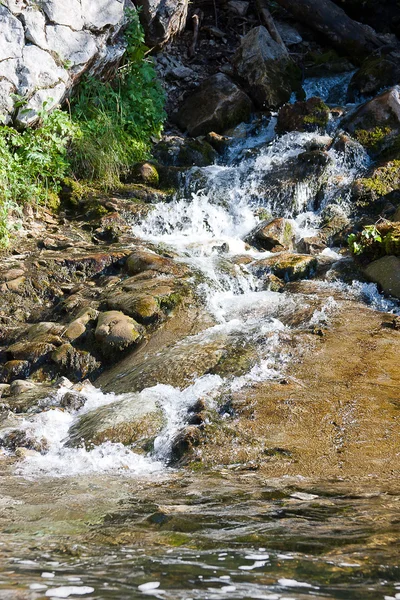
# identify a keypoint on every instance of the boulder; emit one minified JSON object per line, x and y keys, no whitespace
{"x":269,"y":235}
{"x":266,"y":69}
{"x":45,"y":46}
{"x":386,"y":273}
{"x":286,"y":266}
{"x":176,"y":151}
{"x":14,"y":369}
{"x":375,"y":74}
{"x":116,"y":332}
{"x":73,"y":363}
{"x":131,"y":421}
{"x":376,"y":124}
{"x":162,"y":19}
{"x":303,"y":116}
{"x":215,"y":106}
{"x":145,"y":260}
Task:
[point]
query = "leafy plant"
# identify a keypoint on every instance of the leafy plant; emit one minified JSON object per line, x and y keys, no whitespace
{"x":359,"y":243}
{"x":117,"y":119}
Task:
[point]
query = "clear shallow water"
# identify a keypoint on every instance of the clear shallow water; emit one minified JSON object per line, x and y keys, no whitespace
{"x":111,"y":523}
{"x":227,"y":536}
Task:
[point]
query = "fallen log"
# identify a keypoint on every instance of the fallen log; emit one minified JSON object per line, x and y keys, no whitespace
{"x":268,"y":21}
{"x":349,"y":37}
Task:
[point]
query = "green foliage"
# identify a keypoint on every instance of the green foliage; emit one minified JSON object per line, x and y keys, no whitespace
{"x":384,"y":180}
{"x":117,"y":119}
{"x":32,"y":164}
{"x":359,"y":243}
{"x":110,"y":127}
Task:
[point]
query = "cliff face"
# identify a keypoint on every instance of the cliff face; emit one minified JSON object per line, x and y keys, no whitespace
{"x":46,"y":46}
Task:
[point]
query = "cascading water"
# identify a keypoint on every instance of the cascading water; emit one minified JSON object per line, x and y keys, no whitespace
{"x":206,"y":225}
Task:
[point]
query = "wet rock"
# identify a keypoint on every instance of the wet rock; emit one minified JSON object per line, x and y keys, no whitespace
{"x":20,"y":386}
{"x":74,"y":364}
{"x":36,"y":353}
{"x":386,"y":273}
{"x":4,"y":390}
{"x":376,"y":124}
{"x":184,"y":444}
{"x":78,"y":327}
{"x":286,"y":266}
{"x":217,"y":105}
{"x":162,"y":19}
{"x":143,"y":308}
{"x":116,"y":332}
{"x":218,"y":142}
{"x":377,"y":184}
{"x":269,"y":235}
{"x":72,"y":401}
{"x":289,"y":34}
{"x":145,"y":173}
{"x":280,"y":186}
{"x":131,"y":421}
{"x":145,"y":260}
{"x":21,"y":439}
{"x":265,"y":67}
{"x":334,"y":223}
{"x":14,"y":369}
{"x":376,"y":73}
{"x":311,"y":115}
{"x":311,"y":245}
{"x":176,"y":151}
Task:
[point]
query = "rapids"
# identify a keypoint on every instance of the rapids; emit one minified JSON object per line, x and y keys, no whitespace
{"x":226,"y":535}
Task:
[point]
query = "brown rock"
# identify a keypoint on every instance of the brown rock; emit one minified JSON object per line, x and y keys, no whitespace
{"x":116,"y":332}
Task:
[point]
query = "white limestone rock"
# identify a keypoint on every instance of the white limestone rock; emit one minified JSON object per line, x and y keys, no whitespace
{"x":39,"y":70}
{"x":15,"y":6}
{"x":51,"y":96}
{"x":12,"y":35}
{"x":65,"y":13}
{"x":6,"y":101}
{"x":9,"y":70}
{"x":35,"y":27}
{"x":74,"y":47}
{"x":97,"y":15}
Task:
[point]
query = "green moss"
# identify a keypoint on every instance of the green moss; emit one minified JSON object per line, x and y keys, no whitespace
{"x":319,"y":115}
{"x":384,"y":180}
{"x":373,"y":138}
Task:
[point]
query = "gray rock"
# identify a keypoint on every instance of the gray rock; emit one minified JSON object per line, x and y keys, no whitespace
{"x":35,"y":27}
{"x":101,"y":13}
{"x":6,"y":101}
{"x":39,"y":70}
{"x":266,"y":69}
{"x":290,"y":36}
{"x":386,"y":273}
{"x":12,"y":35}
{"x":163,"y":19}
{"x":64,"y":13}
{"x":51,"y":96}
{"x":240,"y":7}
{"x":217,"y":105}
{"x":74,"y":47}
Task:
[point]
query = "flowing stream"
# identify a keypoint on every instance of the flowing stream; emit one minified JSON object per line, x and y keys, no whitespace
{"x":249,"y":538}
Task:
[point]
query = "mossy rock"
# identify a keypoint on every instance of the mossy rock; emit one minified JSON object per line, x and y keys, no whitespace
{"x":382,"y":181}
{"x":144,"y":172}
{"x":376,"y":73}
{"x":303,"y":116}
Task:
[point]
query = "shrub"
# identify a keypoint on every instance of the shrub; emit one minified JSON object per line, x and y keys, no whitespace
{"x":32,"y":164}
{"x":117,"y":119}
